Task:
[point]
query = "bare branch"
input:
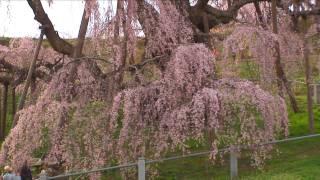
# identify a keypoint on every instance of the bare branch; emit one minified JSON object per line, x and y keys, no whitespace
{"x":217,"y":16}
{"x":18,"y":74}
{"x":89,"y":58}
{"x":143,"y":63}
{"x":260,"y":15}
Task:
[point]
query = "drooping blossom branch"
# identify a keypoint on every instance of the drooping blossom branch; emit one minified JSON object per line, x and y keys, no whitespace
{"x":260,"y":44}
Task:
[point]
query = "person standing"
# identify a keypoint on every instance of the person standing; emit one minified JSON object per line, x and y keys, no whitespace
{"x":8,"y":175}
{"x":25,"y":172}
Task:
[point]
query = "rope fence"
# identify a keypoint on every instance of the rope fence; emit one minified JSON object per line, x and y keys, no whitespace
{"x":142,"y":162}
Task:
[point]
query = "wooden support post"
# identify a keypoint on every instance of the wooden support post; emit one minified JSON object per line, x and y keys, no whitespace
{"x":233,"y":164}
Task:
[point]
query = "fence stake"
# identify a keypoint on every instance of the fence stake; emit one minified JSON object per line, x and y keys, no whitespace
{"x":141,"y":169}
{"x":233,"y":164}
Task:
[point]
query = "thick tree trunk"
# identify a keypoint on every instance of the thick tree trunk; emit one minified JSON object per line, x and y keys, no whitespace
{"x":117,"y":22}
{"x":5,"y":103}
{"x":13,"y":101}
{"x":124,"y":54}
{"x":318,"y":17}
{"x":295,"y":20}
{"x":309,"y":88}
{"x":229,"y":3}
{"x":282,"y":80}
{"x":82,"y":34}
{"x":33,"y":87}
{"x":120,"y":22}
{"x":2,"y":128}
{"x":274,"y":16}
{"x":4,"y":111}
{"x":29,"y":76}
{"x":308,"y":77}
{"x":260,"y":15}
{"x":30,"y":73}
{"x":207,"y":30}
{"x":129,"y":34}
{"x":208,"y":42}
{"x":281,"y":76}
{"x":124,"y":45}
{"x":80,"y":42}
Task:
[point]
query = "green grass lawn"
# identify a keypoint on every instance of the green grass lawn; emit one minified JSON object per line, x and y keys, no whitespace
{"x":297,"y":160}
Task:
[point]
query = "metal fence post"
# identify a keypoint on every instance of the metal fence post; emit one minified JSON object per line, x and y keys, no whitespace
{"x":233,"y":164}
{"x":43,"y":175}
{"x":141,"y":169}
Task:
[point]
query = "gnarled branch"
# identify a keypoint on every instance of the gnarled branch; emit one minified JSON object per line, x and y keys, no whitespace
{"x":57,"y":43}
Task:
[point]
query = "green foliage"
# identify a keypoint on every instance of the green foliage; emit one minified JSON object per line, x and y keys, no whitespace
{"x":249,"y":70}
{"x":119,"y":122}
{"x":93,"y":107}
{"x":45,"y":143}
{"x":4,"y":41}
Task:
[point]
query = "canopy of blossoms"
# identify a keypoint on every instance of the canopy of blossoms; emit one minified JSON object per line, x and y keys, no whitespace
{"x":76,"y":125}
